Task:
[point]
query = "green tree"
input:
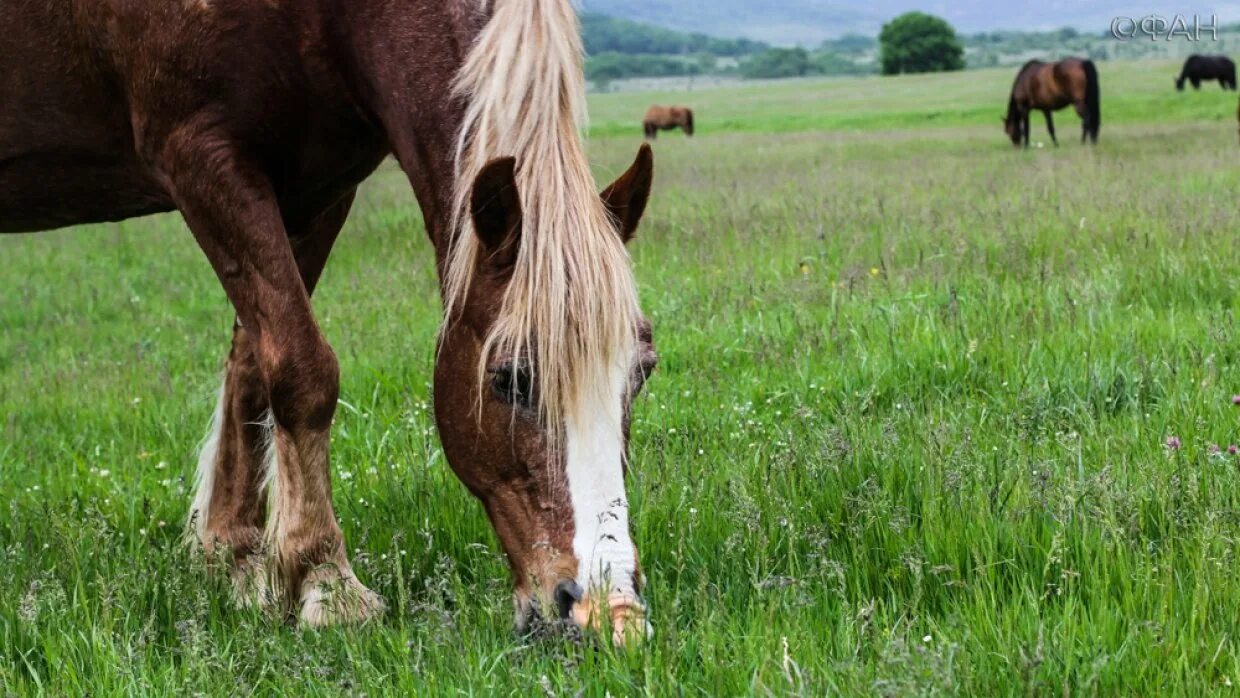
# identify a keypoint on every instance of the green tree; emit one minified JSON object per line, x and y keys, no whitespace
{"x":916,"y":42}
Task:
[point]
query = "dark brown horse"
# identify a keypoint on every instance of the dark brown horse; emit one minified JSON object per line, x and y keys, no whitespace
{"x":1198,"y":69}
{"x":667,"y":118}
{"x":257,"y":121}
{"x":1048,"y":87}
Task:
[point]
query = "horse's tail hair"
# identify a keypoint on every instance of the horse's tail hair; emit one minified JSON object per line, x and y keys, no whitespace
{"x":1093,"y":99}
{"x":689,"y":121}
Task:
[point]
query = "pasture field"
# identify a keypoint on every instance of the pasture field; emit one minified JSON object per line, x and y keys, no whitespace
{"x":909,"y":434}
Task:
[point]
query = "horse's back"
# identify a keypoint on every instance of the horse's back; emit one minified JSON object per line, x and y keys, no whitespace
{"x":95,"y":92}
{"x":1069,"y":68}
{"x":661,"y":114}
{"x":1041,"y":85}
{"x":1210,"y":67}
{"x":1073,"y":79}
{"x":66,"y":144}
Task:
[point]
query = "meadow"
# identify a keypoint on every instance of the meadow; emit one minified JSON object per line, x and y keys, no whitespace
{"x":933,"y":416}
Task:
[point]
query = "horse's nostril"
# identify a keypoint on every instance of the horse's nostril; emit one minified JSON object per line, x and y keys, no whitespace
{"x":566,"y":594}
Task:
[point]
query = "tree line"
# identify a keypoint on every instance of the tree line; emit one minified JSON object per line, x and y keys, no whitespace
{"x":619,"y":48}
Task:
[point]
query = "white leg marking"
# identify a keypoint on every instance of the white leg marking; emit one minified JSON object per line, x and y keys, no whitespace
{"x":271,"y":482}
{"x":329,"y":593}
{"x":204,"y":481}
{"x":594,"y":443}
{"x":271,"y":586}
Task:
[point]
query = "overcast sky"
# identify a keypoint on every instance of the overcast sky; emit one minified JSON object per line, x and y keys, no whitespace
{"x":982,"y":15}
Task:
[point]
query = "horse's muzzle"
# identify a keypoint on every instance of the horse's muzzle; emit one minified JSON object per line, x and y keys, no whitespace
{"x":626,"y":612}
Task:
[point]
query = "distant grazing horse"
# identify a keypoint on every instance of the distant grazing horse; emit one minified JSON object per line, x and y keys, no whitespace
{"x":257,"y":121}
{"x":667,"y":118}
{"x":1051,"y":86}
{"x":1199,"y":69}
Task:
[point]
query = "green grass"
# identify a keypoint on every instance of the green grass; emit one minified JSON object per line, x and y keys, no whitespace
{"x":907,"y":434}
{"x":1132,"y":93}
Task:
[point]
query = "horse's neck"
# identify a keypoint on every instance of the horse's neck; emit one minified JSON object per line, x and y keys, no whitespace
{"x":402,"y":59}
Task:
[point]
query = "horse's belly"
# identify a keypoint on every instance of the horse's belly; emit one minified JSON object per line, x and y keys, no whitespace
{"x":66,"y":139}
{"x":44,"y":190}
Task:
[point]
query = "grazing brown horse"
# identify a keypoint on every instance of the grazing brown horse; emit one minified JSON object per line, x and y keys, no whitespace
{"x":667,"y":118}
{"x":257,"y":121}
{"x":1051,"y":86}
{"x":1198,"y":69}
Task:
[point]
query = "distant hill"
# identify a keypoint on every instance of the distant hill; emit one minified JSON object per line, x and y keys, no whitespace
{"x":604,"y":34}
{"x":620,"y":48}
{"x":772,"y":21}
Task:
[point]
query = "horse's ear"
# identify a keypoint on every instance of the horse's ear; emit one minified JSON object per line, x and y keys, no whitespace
{"x":626,"y":197}
{"x":496,"y":209}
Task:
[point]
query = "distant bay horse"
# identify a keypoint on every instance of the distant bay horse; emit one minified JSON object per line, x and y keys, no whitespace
{"x":1048,"y":87}
{"x":1199,"y":69}
{"x":666,"y":119}
{"x":257,"y":121}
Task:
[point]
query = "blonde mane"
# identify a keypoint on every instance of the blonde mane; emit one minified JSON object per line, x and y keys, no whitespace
{"x":570,"y":309}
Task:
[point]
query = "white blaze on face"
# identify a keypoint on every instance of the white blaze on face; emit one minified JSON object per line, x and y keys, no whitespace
{"x":594,"y":446}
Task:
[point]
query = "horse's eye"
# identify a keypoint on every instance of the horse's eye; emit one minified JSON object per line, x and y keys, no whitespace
{"x":648,"y":363}
{"x":512,"y":385}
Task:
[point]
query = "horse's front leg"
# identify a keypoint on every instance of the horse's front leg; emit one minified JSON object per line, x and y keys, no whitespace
{"x":227,"y":515}
{"x":233,"y":213}
{"x":1050,"y":126}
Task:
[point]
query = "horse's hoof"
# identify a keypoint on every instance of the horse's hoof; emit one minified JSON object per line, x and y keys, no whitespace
{"x":331,"y":598}
{"x":251,"y":585}
{"x":248,"y":572}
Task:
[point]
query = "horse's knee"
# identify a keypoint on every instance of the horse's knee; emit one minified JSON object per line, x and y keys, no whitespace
{"x":303,"y":384}
{"x":244,"y":379}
